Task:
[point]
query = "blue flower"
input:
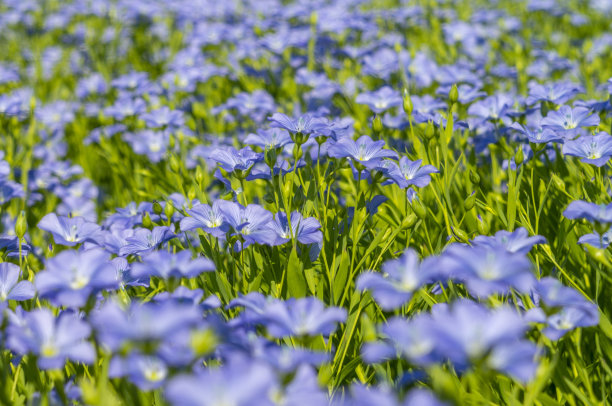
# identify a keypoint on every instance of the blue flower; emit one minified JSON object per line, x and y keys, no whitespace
{"x":492,"y":108}
{"x":10,"y":246}
{"x":252,"y":223}
{"x":70,"y":231}
{"x":232,"y":160}
{"x":305,"y":230}
{"x":400,"y":278}
{"x":269,"y":138}
{"x":153,"y":144}
{"x":142,"y":322}
{"x":593,"y":149}
{"x":598,"y":241}
{"x":466,"y":333}
{"x":52,"y":340}
{"x":207,"y":218}
{"x":557,"y":93}
{"x":537,"y":135}
{"x":163,"y":117}
{"x":145,"y":240}
{"x":380,"y":100}
{"x":10,"y":190}
{"x":71,"y":277}
{"x":240,"y":383}
{"x":567,"y":121}
{"x":488,"y":270}
{"x":299,"y":317}
{"x":306,"y":124}
{"x":126,"y":107}
{"x":364,"y":150}
{"x":409,"y":173}
{"x":562,"y":309}
{"x":165,"y":265}
{"x":517,"y":241}
{"x":147,"y":372}
{"x":10,"y":286}
{"x":592,"y":212}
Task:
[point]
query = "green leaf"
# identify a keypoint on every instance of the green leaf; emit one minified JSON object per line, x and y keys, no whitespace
{"x":296,"y":281}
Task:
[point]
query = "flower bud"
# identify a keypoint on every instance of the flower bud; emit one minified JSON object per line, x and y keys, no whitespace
{"x":146,"y":220}
{"x":459,"y":234}
{"x":519,"y":157}
{"x":474,"y":178}
{"x":419,"y":209}
{"x":409,"y":221}
{"x":377,"y":125}
{"x":408,"y":107}
{"x":174,"y":164}
{"x":199,"y":176}
{"x":21,"y":225}
{"x":469,"y":201}
{"x":558,"y":182}
{"x":483,"y":226}
{"x":157,"y":208}
{"x":453,"y":94}
{"x":191,"y":193}
{"x":430,"y":130}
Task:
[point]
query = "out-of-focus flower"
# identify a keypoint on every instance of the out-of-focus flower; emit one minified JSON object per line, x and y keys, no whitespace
{"x":10,"y":286}
{"x":52,"y":340}
{"x":71,"y":277}
{"x":165,"y":265}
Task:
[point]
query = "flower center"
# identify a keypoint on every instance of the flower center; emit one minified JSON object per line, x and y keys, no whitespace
{"x":49,"y":350}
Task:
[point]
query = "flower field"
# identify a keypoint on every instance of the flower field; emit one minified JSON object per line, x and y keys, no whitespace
{"x":320,"y":202}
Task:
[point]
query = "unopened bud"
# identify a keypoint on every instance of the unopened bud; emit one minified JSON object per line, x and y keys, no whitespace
{"x":430,"y":130}
{"x":21,"y":225}
{"x":469,"y":201}
{"x":409,"y":221}
{"x":157,"y":208}
{"x":169,"y":210}
{"x":459,"y":234}
{"x":408,"y":107}
{"x":199,"y":176}
{"x":419,"y":209}
{"x":191,"y":193}
{"x":519,"y":157}
{"x":146,"y":220}
{"x":483,"y":226}
{"x":474,"y":178}
{"x":174,"y":164}
{"x":558,"y":182}
{"x":377,"y":125}
{"x":453,"y":94}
